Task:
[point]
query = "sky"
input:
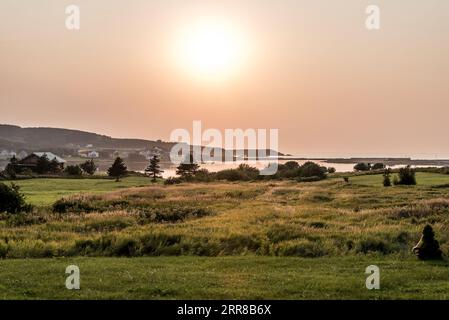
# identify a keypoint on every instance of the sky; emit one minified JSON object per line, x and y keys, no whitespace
{"x":310,"y":69}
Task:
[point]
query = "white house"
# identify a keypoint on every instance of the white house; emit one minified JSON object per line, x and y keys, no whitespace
{"x":93,"y":154}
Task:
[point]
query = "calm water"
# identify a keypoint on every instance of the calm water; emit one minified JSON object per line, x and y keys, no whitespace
{"x":217,"y":166}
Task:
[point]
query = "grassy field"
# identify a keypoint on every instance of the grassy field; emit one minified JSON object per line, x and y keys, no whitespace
{"x":423,"y":178}
{"x":267,"y":239}
{"x":224,"y":278}
{"x":43,"y":192}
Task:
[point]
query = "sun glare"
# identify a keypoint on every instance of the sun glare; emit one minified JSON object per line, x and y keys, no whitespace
{"x":210,"y":49}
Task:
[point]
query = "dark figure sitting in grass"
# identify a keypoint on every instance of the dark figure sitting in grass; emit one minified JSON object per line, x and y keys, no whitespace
{"x":428,"y":247}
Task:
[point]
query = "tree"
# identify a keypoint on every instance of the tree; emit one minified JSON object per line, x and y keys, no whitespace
{"x":12,"y":200}
{"x":43,"y":164}
{"x":74,"y":171}
{"x":118,"y":169}
{"x":331,"y":170}
{"x":291,"y":165}
{"x":387,"y":180}
{"x":311,"y":169}
{"x":361,"y":166}
{"x":428,"y":247}
{"x":378,"y":166}
{"x":407,"y":176}
{"x":187,"y":168}
{"x":54,"y":166}
{"x":89,"y":167}
{"x":154,"y":169}
{"x":12,"y":168}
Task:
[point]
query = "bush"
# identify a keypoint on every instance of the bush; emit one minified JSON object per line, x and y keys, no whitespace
{"x":300,"y":248}
{"x":231,"y":175}
{"x":378,"y":166}
{"x":331,"y":170}
{"x":74,"y":171}
{"x":66,"y":205}
{"x":428,"y":247}
{"x":373,"y":245}
{"x":361,"y":166}
{"x":406,"y":176}
{"x":172,"y":181}
{"x":387,"y":180}
{"x":172,"y":214}
{"x":89,"y":167}
{"x":311,"y":169}
{"x":12,"y":200}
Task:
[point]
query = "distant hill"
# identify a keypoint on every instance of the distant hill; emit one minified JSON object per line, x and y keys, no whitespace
{"x":66,"y":141}
{"x":15,"y":137}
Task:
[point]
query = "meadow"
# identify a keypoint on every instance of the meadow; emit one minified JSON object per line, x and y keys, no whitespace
{"x":264,"y":239}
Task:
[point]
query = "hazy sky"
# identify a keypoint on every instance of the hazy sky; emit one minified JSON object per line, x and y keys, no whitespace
{"x":308,"y":68}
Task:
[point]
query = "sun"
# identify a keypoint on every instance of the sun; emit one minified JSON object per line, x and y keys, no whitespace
{"x":210,"y":49}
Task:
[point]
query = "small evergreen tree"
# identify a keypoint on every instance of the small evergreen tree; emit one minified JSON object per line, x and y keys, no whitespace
{"x":89,"y":167}
{"x":118,"y":169}
{"x":428,"y":247}
{"x":187,"y":168}
{"x":54,"y":167}
{"x":154,"y":169}
{"x":387,"y":180}
{"x":42,"y":165}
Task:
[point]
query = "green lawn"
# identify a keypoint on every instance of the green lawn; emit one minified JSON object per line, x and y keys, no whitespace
{"x":43,"y":192}
{"x":247,"y":277}
{"x":422,"y":178}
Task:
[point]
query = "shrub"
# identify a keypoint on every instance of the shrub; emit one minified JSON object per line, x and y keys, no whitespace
{"x":282,"y":232}
{"x":22,"y":219}
{"x":74,"y":171}
{"x":331,"y":170}
{"x":300,"y":248}
{"x":172,"y":214}
{"x":231,"y":175}
{"x":172,"y":181}
{"x":126,"y":248}
{"x":89,"y":167}
{"x":373,"y":245}
{"x":66,"y":205}
{"x":361,"y":166}
{"x":311,"y":169}
{"x":406,"y":176}
{"x":378,"y":166}
{"x":12,"y":200}
{"x":387,"y":180}
{"x":428,"y":247}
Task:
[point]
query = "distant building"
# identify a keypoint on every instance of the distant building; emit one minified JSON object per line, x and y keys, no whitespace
{"x":93,"y":154}
{"x":31,"y":161}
